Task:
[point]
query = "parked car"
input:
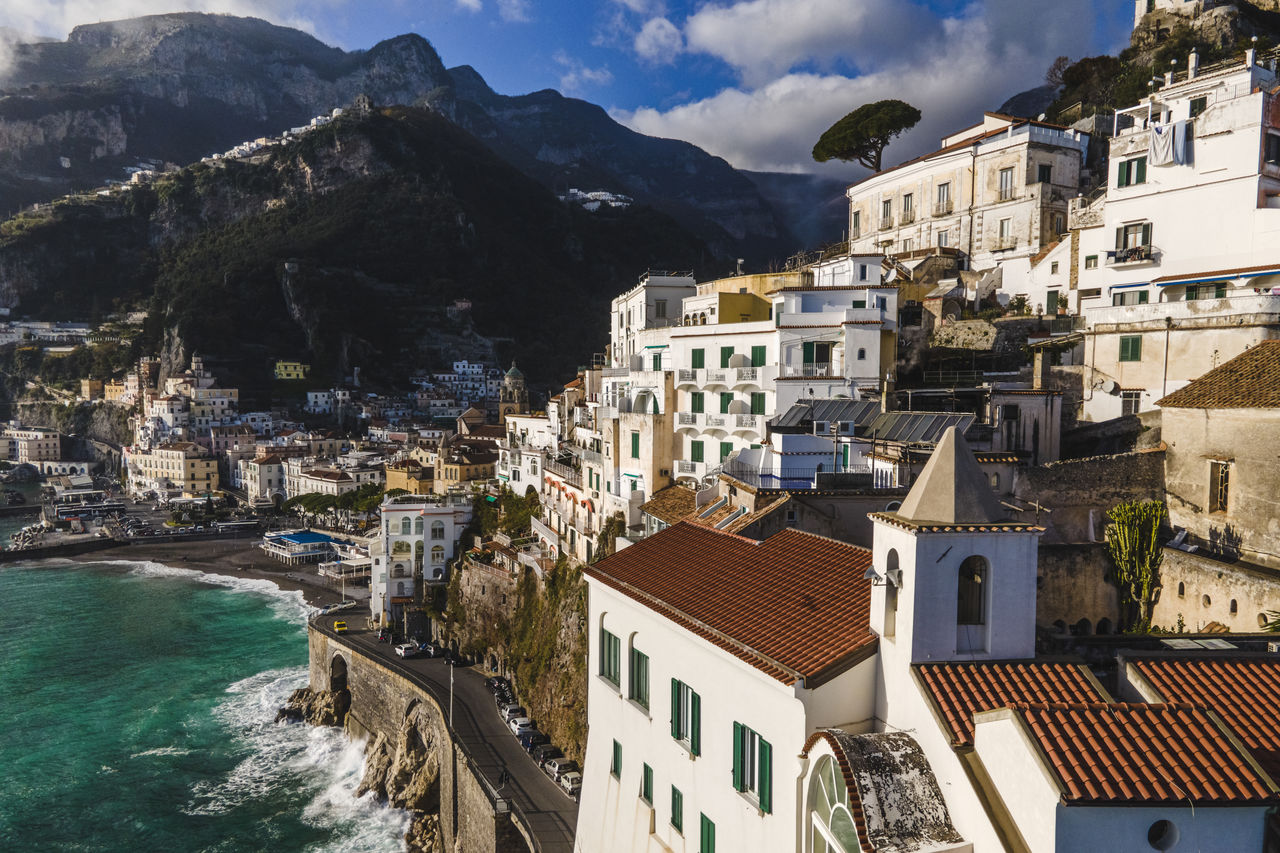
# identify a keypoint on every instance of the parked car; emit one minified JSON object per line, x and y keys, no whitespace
{"x":497,"y":683}
{"x":432,"y":650}
{"x":520,"y":725}
{"x":571,"y":783}
{"x":407,"y":650}
{"x":510,"y":712}
{"x":557,"y":767}
{"x":504,"y":699}
{"x":529,"y":740}
{"x":544,"y":753}
{"x":340,"y":627}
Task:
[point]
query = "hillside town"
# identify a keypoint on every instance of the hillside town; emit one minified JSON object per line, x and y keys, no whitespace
{"x":957,"y":535}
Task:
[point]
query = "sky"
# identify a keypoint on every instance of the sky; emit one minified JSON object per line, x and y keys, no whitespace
{"x":753,"y":81}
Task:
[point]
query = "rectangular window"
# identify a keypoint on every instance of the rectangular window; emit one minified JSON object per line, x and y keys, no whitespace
{"x":1091,"y":262}
{"x":635,"y":445}
{"x":677,"y":810}
{"x":1129,"y":402}
{"x":726,"y":447}
{"x":1132,"y":172}
{"x":695,"y":451}
{"x":686,"y":716}
{"x":1051,"y":302}
{"x":1006,"y":229}
{"x":707,"y":836}
{"x":660,"y":309}
{"x":646,"y":784}
{"x":657,"y":361}
{"x":698,"y":359}
{"x":1053,"y":268}
{"x":971,"y":592}
{"x":1130,"y":297}
{"x":886,"y":209}
{"x":1272,"y":153}
{"x":1006,"y":184}
{"x":757,"y":402}
{"x":862,"y":272}
{"x":1091,"y":293}
{"x":638,"y":678}
{"x":610,"y":658}
{"x":908,"y":204}
{"x":1219,"y":484}
{"x":757,"y":356}
{"x":696,"y":403}
{"x":1131,"y":348}
{"x":942,"y":239}
{"x":1044,"y":173}
{"x":1206,"y":291}
{"x":615,"y":763}
{"x":726,"y":353}
{"x":1199,"y":105}
{"x":943,"y":204}
{"x":855,"y":224}
{"x":753,"y":766}
{"x":908,"y":244}
{"x":726,"y":400}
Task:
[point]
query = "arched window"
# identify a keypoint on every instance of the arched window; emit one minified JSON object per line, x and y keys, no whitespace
{"x":1182,"y":590}
{"x":1103,"y":627}
{"x":1082,"y":628}
{"x":891,"y":571}
{"x":437,"y":555}
{"x":399,"y":587}
{"x":417,"y":554}
{"x":406,"y":525}
{"x":831,"y":828}
{"x":437,"y":530}
{"x":862,"y":354}
{"x":995,"y":481}
{"x":417,"y":526}
{"x":1233,"y":607}
{"x":971,"y":593}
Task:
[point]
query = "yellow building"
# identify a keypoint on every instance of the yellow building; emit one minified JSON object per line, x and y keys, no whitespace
{"x":182,"y":465}
{"x":91,"y":389}
{"x":411,"y":476}
{"x":292,"y":370}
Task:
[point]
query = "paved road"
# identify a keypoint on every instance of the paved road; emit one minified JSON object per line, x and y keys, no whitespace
{"x":549,"y":813}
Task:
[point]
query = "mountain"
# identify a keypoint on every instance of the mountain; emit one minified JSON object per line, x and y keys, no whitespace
{"x":346,"y":247}
{"x":173,"y":88}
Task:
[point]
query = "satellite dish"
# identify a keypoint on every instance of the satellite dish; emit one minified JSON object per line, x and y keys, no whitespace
{"x":1109,"y":386}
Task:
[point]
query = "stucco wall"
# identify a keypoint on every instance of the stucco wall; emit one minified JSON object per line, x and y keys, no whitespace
{"x":1072,"y":586}
{"x":1079,"y":492}
{"x":1252,"y":589}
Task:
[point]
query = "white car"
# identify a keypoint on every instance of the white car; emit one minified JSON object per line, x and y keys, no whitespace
{"x":407,"y":650}
{"x":518,"y":723}
{"x":571,"y":783}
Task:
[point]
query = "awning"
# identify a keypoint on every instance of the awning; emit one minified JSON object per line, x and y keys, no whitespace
{"x":589,"y":505}
{"x":1217,"y":275}
{"x":656,"y":346}
{"x":1128,"y":286}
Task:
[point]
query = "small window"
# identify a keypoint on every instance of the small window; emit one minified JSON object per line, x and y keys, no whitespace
{"x":862,"y":272}
{"x":1131,"y":348}
{"x":1091,"y":262}
{"x":1206,"y":601}
{"x":660,"y":309}
{"x":698,"y":359}
{"x":1162,"y":835}
{"x":1006,"y":183}
{"x":971,"y":593}
{"x":886,"y":209}
{"x":943,"y":239}
{"x":757,"y":356}
{"x":757,"y":402}
{"x":695,"y":451}
{"x":610,"y":654}
{"x":615,"y":763}
{"x":855,"y":223}
{"x":726,"y":400}
{"x":1219,"y":485}
{"x":686,"y":716}
{"x":862,"y":354}
{"x":696,"y":402}
{"x":657,"y":361}
{"x":646,"y":784}
{"x":677,"y":810}
{"x":726,"y":353}
{"x":1053,"y":268}
{"x":726,"y":447}
{"x":635,"y":445}
{"x":638,"y":678}
{"x":707,"y":836}
{"x":1233,"y":608}
{"x":1132,"y":172}
{"x":1006,"y":229}
{"x":1199,"y":105}
{"x":908,"y":244}
{"x":908,"y":204}
{"x":753,"y":766}
{"x":1272,"y":155}
{"x":1044,"y":173}
{"x":1182,"y":590}
{"x":1130,"y":402}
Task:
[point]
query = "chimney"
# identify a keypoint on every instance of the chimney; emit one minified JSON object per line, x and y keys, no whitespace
{"x":1040,"y":371}
{"x":1193,"y":65}
{"x":887,"y":394}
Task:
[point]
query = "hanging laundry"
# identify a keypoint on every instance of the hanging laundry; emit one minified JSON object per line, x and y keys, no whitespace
{"x":1161,"y":152}
{"x":1182,"y":142}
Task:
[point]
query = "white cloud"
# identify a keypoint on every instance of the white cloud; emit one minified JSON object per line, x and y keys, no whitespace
{"x":659,"y":41}
{"x":514,"y":11}
{"x":470,"y":5}
{"x":644,"y":7}
{"x":577,"y":76}
{"x":803,"y":64}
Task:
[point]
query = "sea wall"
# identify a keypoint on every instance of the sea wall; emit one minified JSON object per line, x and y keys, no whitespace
{"x":406,"y":728}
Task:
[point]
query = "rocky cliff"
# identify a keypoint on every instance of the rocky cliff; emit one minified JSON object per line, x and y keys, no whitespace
{"x":405,"y":772}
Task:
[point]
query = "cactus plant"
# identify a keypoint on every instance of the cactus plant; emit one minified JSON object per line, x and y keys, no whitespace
{"x":1134,"y":545}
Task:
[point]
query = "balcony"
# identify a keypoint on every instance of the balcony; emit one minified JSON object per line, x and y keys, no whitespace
{"x":1133,"y":256}
{"x":886,"y":222}
{"x":715,"y":421}
{"x":907,"y":217}
{"x":1008,"y":194}
{"x":816,"y":370}
{"x":818,"y":476}
{"x":683,"y":466}
{"x":570,"y":475}
{"x":943,"y":208}
{"x":1262,"y":309}
{"x":685,"y":419}
{"x":1004,"y":244}
{"x":687,"y":377}
{"x":749,"y":423}
{"x":716,"y":377}
{"x":746,"y":376}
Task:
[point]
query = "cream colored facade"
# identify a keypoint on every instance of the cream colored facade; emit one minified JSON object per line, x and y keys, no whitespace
{"x":182,"y":466}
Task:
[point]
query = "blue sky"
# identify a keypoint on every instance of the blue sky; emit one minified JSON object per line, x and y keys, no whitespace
{"x":754,"y":81}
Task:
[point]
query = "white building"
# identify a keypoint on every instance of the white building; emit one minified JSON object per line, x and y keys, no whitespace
{"x":419,"y":537}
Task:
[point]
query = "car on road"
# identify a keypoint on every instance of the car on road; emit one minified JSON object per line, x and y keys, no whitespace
{"x":532,"y":739}
{"x":497,"y":683}
{"x":340,"y":627}
{"x":505,"y":699}
{"x":571,"y":783}
{"x":338,"y":607}
{"x":431,"y":650}
{"x":407,"y":650}
{"x":521,"y":721}
{"x":544,"y":753}
{"x":510,"y":712}
{"x":557,"y":767}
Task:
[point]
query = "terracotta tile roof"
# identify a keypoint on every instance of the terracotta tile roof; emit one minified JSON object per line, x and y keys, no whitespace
{"x":671,"y":504}
{"x":959,"y":690}
{"x":766,"y":503}
{"x":727,"y":590}
{"x":1243,"y":691}
{"x":1137,"y":753}
{"x":1251,"y":380}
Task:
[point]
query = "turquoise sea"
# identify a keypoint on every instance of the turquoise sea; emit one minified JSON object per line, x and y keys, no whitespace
{"x":137,"y":713}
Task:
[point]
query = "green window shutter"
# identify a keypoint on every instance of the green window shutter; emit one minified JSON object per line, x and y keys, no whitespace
{"x":1146,"y":233}
{"x":675,"y":709}
{"x":1141,"y":177}
{"x":1142,"y":297}
{"x":695,"y":723}
{"x":699,"y":357}
{"x":696,"y":403}
{"x":707,"y":841}
{"x":757,"y":356}
{"x":807,"y":348}
{"x":726,"y":447}
{"x":657,"y":361}
{"x":646,"y":784}
{"x":765,"y":785}
{"x":737,"y":757}
{"x":695,"y":451}
{"x":677,"y":809}
{"x":757,"y":403}
{"x":616,"y":766}
{"x":1122,"y":175}
{"x":726,"y":398}
{"x":726,"y":353}
{"x":1220,"y":291}
{"x":635,"y":445}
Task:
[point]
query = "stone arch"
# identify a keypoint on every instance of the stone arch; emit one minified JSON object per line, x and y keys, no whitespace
{"x":1083,"y":628}
{"x":1103,"y":627}
{"x":338,"y":670}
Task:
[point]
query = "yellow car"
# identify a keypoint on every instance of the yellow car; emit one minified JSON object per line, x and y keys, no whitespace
{"x":340,"y":627}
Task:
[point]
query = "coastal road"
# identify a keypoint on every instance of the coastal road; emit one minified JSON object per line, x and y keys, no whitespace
{"x":550,"y":814}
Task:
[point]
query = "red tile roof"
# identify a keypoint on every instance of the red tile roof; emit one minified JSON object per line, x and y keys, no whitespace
{"x":959,"y":690}
{"x":795,"y":605}
{"x":1137,"y":753}
{"x":1251,"y":380}
{"x":1243,"y":691}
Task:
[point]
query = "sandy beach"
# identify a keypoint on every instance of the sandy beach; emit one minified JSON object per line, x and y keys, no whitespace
{"x":236,"y":557}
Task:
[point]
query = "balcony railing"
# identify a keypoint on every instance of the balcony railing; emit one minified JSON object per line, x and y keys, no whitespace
{"x":1008,"y":193}
{"x":748,"y":374}
{"x":808,"y":370}
{"x":687,"y":375}
{"x":1004,"y":244}
{"x":715,"y":420}
{"x":754,"y":423}
{"x":886,"y":222}
{"x":687,"y":419}
{"x":853,"y":476}
{"x":942,"y":208}
{"x":907,"y":217}
{"x":684,"y":466}
{"x":716,"y":376}
{"x":1133,"y":255}
{"x":569,"y":475}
